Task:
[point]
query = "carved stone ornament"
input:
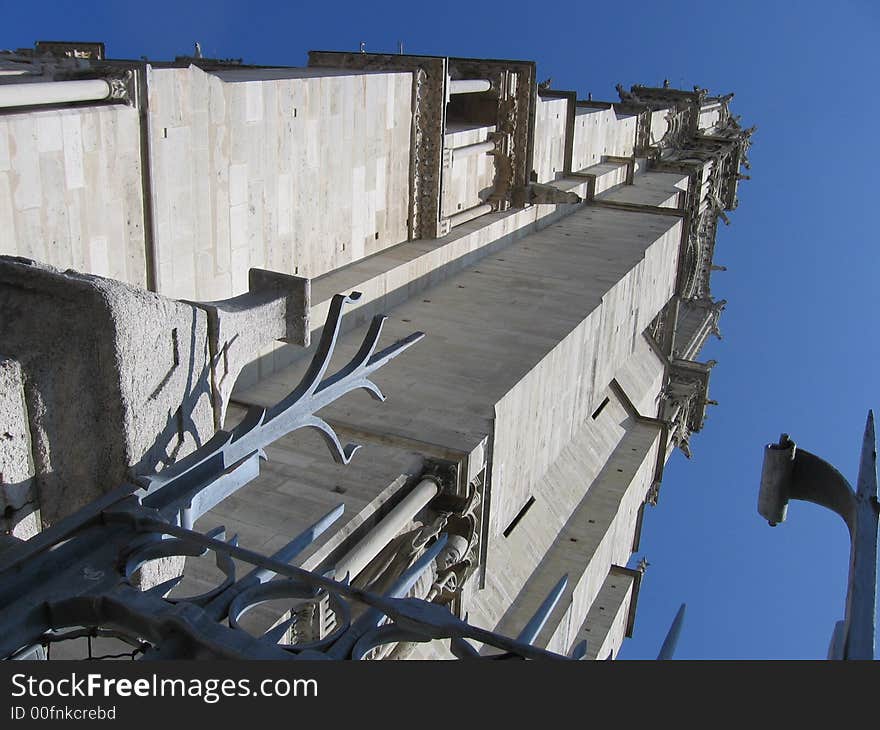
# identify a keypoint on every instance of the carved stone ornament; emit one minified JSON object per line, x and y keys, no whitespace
{"x":119,"y":88}
{"x":514,"y":83}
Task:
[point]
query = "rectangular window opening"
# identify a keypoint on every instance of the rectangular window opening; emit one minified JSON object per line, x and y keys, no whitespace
{"x":599,"y":409}
{"x":519,"y":515}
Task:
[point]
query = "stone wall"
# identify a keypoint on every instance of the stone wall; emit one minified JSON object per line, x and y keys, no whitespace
{"x":470,"y":180}
{"x":600,"y":132}
{"x":116,"y":379}
{"x":291,"y":170}
{"x":549,"y":156}
{"x":17,"y":494}
{"x":70,"y":190}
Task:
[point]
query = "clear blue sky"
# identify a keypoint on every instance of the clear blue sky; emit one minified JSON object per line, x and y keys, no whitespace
{"x":800,"y":332}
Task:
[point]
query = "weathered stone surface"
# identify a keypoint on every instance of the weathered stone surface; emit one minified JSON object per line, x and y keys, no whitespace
{"x":116,"y":379}
{"x":17,"y":497}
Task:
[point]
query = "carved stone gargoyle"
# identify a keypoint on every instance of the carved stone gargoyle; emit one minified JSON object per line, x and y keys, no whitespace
{"x":537,"y":193}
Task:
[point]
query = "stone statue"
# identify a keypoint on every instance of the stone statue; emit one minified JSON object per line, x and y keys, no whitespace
{"x":625,"y":95}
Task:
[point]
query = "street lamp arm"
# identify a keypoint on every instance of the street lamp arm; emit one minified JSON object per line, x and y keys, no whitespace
{"x":793,"y":473}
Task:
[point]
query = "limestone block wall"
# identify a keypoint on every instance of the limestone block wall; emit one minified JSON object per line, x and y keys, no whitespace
{"x":299,"y":174}
{"x":613,"y":504}
{"x":514,"y":557}
{"x":659,"y":189}
{"x":581,"y":519}
{"x":470,"y":180}
{"x":600,"y":132}
{"x":521,"y":346}
{"x":627,"y":262}
{"x":606,"y":623}
{"x":18,"y":501}
{"x":598,"y":533}
{"x":70,"y":190}
{"x":608,"y":175}
{"x":548,"y":320}
{"x":116,"y":379}
{"x":710,"y":115}
{"x":659,"y":125}
{"x":401,"y":272}
{"x":642,"y":377}
{"x":549,"y":152}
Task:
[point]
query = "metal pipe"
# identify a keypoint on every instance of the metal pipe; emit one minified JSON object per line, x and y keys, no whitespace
{"x":386,"y":530}
{"x":472,"y":149}
{"x":53,"y":92}
{"x":469,"y":214}
{"x":469,"y":86}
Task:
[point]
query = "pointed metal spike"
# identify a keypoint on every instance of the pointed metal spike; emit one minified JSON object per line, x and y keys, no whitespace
{"x":320,"y":360}
{"x":365,"y":351}
{"x":867,"y":484}
{"x":838,"y":640}
{"x":392,"y":351}
{"x":462,"y":648}
{"x":669,"y":643}
{"x":312,"y":379}
{"x":580,"y":651}
{"x":861,"y":599}
{"x":276,"y":633}
{"x":299,"y":543}
{"x":164,"y":588}
{"x":373,"y":617}
{"x":217,"y":533}
{"x":536,"y":623}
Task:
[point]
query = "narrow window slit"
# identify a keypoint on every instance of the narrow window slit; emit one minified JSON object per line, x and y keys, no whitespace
{"x":599,"y":409}
{"x":175,"y":347}
{"x":519,"y":515}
